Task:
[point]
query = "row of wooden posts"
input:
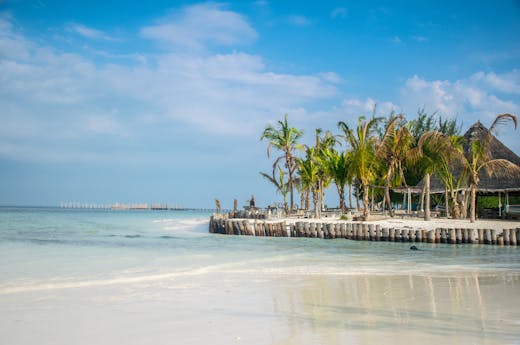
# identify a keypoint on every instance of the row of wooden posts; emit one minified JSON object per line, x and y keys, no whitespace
{"x":362,"y":232}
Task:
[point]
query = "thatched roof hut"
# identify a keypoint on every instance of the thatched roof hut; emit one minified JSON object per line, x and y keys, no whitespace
{"x":494,"y":184}
{"x":488,"y":184}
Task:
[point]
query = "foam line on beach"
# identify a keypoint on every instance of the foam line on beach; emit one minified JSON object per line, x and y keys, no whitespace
{"x":42,"y":286}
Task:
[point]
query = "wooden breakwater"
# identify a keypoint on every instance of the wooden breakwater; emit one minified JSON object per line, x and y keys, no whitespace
{"x":360,"y":231}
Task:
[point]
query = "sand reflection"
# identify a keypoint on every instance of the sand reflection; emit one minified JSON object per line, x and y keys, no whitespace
{"x":368,"y":309}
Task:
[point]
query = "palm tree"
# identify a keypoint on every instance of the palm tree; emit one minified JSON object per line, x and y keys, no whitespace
{"x":285,"y":139}
{"x":479,"y":157}
{"x":279,"y":182}
{"x":393,"y":150}
{"x":429,"y":156}
{"x":338,"y":168}
{"x":324,"y":145}
{"x":308,"y":170}
{"x":364,"y":161}
{"x":442,"y":152}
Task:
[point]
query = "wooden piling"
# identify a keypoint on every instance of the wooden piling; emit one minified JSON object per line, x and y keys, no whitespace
{"x":384,"y":234}
{"x":500,"y":239}
{"x":391,"y":235}
{"x":480,"y":236}
{"x":494,"y":236}
{"x":506,"y":235}
{"x":512,"y":237}
{"x":451,"y":236}
{"x":487,"y":236}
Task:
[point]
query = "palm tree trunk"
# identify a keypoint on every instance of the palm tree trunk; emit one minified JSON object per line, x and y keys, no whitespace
{"x":350,"y":196}
{"x":456,"y":206}
{"x":427,"y":215}
{"x":387,"y":194}
{"x":366,"y":211}
{"x":315,"y":201}
{"x":341,"y":192}
{"x":463,"y":208}
{"x":473,"y":203}
{"x":288,"y":163}
{"x":423,"y":192}
{"x":446,"y":202}
{"x":302,"y":200}
{"x":291,"y":191}
{"x":357,"y":200}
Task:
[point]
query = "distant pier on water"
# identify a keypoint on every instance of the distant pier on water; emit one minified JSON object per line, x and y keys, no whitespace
{"x":133,"y":206}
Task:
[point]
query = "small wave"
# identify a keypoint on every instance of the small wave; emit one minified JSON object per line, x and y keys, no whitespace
{"x":6,"y":289}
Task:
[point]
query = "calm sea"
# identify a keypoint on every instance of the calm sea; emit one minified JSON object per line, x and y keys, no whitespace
{"x":100,"y":276}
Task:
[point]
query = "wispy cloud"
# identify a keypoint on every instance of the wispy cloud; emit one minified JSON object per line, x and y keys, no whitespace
{"x":481,"y":95}
{"x":298,"y":20}
{"x":397,"y":40}
{"x":88,"y":32}
{"x":420,"y":39}
{"x":48,"y":96}
{"x":198,"y":26}
{"x":339,"y":12}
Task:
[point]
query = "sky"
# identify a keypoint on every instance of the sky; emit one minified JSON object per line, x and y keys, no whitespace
{"x":165,"y":101}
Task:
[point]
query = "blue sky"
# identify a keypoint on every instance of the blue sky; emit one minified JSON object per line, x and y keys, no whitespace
{"x":116,"y":101}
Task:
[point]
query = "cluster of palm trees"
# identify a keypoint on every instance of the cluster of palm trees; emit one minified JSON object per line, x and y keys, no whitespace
{"x":380,"y":154}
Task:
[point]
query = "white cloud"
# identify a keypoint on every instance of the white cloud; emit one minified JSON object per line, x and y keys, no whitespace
{"x":506,"y":83}
{"x":12,"y":44}
{"x":88,"y":32}
{"x":356,"y":107}
{"x":197,"y":26}
{"x":420,"y":39}
{"x":50,"y":97}
{"x":482,"y":95}
{"x":339,"y":12}
{"x":397,"y":40}
{"x":298,"y":20}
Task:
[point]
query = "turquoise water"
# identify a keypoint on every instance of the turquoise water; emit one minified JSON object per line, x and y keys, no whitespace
{"x":123,"y":266}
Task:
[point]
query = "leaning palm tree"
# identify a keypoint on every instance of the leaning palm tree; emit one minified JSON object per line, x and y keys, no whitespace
{"x":308,"y":170}
{"x":361,"y":141}
{"x":479,"y":158}
{"x":429,"y":156}
{"x":285,"y":139}
{"x":393,"y":150}
{"x":442,"y":153}
{"x":324,"y":144}
{"x":278,"y":180}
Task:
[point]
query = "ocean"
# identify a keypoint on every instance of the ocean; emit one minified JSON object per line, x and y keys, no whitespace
{"x":78,"y":276}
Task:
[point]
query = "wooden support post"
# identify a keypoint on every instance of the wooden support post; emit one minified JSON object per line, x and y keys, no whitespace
{"x":378,"y":232}
{"x":493,"y":236}
{"x":506,"y":236}
{"x":391,"y":235}
{"x":512,"y":239}
{"x":480,"y":236}
{"x":458,"y":236}
{"x":371,"y":232}
{"x":452,"y":236}
{"x":431,"y":236}
{"x":487,"y":236}
{"x":418,"y":235}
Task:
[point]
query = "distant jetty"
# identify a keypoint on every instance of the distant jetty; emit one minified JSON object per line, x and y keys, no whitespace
{"x":391,"y":230}
{"x":134,"y":206}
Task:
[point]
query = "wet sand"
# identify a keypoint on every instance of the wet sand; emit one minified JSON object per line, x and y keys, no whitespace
{"x":242,"y":306}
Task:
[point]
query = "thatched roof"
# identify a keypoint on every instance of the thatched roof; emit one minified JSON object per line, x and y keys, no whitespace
{"x":498,"y":151}
{"x":493,"y":184}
